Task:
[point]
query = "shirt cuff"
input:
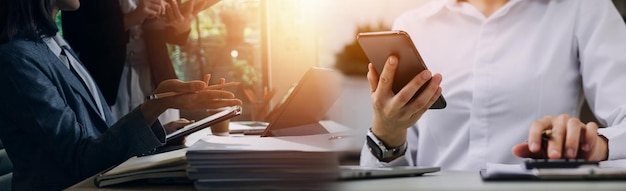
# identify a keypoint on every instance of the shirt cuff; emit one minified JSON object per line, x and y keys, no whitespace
{"x":616,"y":136}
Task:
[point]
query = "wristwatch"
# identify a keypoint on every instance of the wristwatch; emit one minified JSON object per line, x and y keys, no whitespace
{"x":380,"y":150}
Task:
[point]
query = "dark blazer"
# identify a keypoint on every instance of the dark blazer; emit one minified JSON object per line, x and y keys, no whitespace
{"x":96,"y":32}
{"x":51,"y":128}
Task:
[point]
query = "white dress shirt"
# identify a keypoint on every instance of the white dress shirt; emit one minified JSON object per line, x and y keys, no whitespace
{"x":529,"y":59}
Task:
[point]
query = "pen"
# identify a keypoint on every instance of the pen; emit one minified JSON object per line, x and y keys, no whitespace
{"x":169,"y":94}
{"x":162,"y":95}
{"x":546,"y":134}
{"x":545,"y":137}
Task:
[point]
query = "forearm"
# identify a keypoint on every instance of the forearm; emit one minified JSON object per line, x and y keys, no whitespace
{"x":133,"y":18}
{"x":392,"y":137}
{"x":151,"y":110}
{"x":177,"y":37}
{"x":130,"y":136}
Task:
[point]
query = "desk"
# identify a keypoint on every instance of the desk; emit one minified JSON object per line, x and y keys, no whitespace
{"x":445,"y":180}
{"x":331,"y":127}
{"x":87,"y":185}
{"x":461,"y":180}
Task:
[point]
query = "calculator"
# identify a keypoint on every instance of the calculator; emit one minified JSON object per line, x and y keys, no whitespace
{"x":558,"y":163}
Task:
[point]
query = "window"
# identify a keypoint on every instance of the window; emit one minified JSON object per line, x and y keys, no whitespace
{"x":226,"y":41}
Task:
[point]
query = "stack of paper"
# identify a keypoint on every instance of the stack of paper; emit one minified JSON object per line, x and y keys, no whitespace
{"x":262,"y":162}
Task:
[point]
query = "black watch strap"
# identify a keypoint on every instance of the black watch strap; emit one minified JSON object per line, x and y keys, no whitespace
{"x":380,"y":150}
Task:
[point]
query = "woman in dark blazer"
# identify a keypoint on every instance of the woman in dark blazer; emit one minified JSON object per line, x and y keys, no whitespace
{"x":56,"y":126}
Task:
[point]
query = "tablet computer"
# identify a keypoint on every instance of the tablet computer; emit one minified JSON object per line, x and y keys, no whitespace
{"x":306,"y":105}
{"x":224,"y":114}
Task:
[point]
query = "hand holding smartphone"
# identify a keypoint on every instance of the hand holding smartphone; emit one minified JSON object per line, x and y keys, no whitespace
{"x":378,"y":46}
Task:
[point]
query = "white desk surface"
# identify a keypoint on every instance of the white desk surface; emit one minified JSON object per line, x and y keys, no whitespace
{"x":88,"y":185}
{"x":461,"y":180}
{"x":445,"y":180}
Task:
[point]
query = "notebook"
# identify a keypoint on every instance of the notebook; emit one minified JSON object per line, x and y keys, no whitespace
{"x":361,"y":172}
{"x":306,"y":105}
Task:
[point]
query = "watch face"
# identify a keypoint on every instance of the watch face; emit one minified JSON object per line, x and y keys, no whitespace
{"x":374,"y":147}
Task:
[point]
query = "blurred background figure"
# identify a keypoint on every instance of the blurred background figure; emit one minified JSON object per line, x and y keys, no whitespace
{"x":123,"y":44}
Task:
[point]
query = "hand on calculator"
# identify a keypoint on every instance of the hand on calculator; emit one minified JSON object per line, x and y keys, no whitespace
{"x":568,"y":138}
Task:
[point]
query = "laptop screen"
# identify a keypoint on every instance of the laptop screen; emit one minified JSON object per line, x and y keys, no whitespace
{"x":306,"y":105}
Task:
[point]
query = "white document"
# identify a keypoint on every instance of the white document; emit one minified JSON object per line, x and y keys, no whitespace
{"x":308,"y":143}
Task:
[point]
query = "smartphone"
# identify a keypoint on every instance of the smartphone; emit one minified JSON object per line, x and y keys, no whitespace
{"x":378,"y":46}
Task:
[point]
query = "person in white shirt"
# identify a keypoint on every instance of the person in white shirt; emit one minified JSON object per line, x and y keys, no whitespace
{"x":509,"y":69}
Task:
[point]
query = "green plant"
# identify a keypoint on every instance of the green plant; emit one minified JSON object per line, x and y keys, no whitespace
{"x":351,"y":60}
{"x":247,"y":73}
{"x":57,"y":20}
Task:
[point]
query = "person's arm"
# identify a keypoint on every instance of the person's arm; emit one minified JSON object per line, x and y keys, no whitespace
{"x":157,"y":32}
{"x":192,"y":96}
{"x":601,"y":37}
{"x":175,"y":25}
{"x":145,"y":9}
{"x":176,"y":22}
{"x":173,"y":36}
{"x":394,"y":113}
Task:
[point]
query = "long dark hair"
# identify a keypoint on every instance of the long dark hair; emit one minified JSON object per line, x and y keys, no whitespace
{"x":29,"y":19}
